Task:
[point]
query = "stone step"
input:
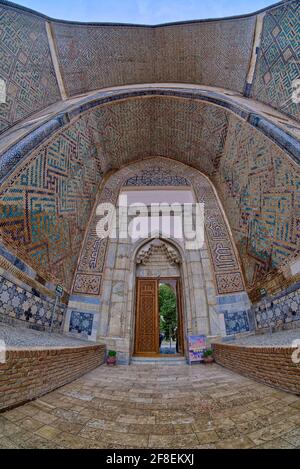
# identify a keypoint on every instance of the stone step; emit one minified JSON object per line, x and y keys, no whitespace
{"x":158,"y":360}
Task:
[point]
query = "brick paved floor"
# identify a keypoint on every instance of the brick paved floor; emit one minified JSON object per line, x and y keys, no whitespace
{"x":156,"y":406}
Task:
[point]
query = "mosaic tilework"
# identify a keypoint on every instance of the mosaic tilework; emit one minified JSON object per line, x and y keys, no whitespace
{"x":214,"y":53}
{"x":26,"y":66}
{"x":282,"y":310}
{"x":81,"y":323}
{"x":260,"y":189}
{"x":49,"y":198}
{"x":27,"y":306}
{"x":131,"y":129}
{"x":93,"y":57}
{"x":226,"y":267}
{"x":279,"y":59}
{"x":236,"y":323}
{"x":209,"y":53}
{"x":45,"y":204}
{"x":156,"y":177}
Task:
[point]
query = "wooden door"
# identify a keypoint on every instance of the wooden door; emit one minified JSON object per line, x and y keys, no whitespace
{"x":147,"y":317}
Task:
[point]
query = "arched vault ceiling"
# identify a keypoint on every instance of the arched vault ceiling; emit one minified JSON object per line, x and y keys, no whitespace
{"x":189,"y":131}
{"x":46,"y":201}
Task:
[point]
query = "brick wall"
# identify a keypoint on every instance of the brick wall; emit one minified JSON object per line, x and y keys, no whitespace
{"x":28,"y":374}
{"x":270,"y":365}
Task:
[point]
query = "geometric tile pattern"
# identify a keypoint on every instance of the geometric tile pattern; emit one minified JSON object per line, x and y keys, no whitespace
{"x":215,"y":53}
{"x":96,"y":57}
{"x":278,"y":62}
{"x":212,"y":53}
{"x":236,"y":323}
{"x":128,"y":130}
{"x":276,"y":312}
{"x":26,"y":66}
{"x":225,"y":264}
{"x":17,"y":303}
{"x":81,"y":323}
{"x":45,"y":204}
{"x":260,"y":189}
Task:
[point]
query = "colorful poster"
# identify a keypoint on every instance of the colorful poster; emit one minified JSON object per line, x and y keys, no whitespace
{"x":197,"y":343}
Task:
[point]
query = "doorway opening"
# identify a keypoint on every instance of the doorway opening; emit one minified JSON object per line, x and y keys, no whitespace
{"x":159,"y":321}
{"x":168,"y":317}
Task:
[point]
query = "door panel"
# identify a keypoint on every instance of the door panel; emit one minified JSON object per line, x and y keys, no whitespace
{"x":147,"y":323}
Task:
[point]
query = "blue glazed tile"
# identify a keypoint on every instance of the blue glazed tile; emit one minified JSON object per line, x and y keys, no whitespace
{"x":237,"y":322}
{"x":22,"y":304}
{"x":84,"y":299}
{"x":81,"y":323}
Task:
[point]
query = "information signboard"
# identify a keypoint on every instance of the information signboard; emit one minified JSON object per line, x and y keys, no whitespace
{"x":197,"y":344}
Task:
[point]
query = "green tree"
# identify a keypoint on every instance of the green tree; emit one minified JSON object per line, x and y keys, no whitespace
{"x":167,"y":310}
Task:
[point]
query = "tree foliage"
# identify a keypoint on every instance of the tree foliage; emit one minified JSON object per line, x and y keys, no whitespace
{"x":167,"y":310}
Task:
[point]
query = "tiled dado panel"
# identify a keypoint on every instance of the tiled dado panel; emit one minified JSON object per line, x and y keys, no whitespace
{"x":259,"y":186}
{"x":25,"y":66}
{"x":278,"y":65}
{"x":210,"y":53}
{"x":19,"y":302}
{"x":46,"y":203}
{"x":236,"y":322}
{"x":81,"y":323}
{"x":235,"y":310}
{"x":282,"y":311}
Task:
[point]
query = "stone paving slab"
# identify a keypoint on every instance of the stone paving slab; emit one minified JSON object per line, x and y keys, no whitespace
{"x":276,"y":339}
{"x":204,"y":406}
{"x":22,"y":337}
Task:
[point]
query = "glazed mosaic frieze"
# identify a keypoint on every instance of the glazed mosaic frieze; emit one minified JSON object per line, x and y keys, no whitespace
{"x":260,"y":189}
{"x":226,"y":267}
{"x":278,"y":65}
{"x":17,"y":303}
{"x":46,"y":203}
{"x":26,"y":66}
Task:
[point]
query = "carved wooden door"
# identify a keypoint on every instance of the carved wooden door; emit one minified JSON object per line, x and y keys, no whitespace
{"x":147,"y":318}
